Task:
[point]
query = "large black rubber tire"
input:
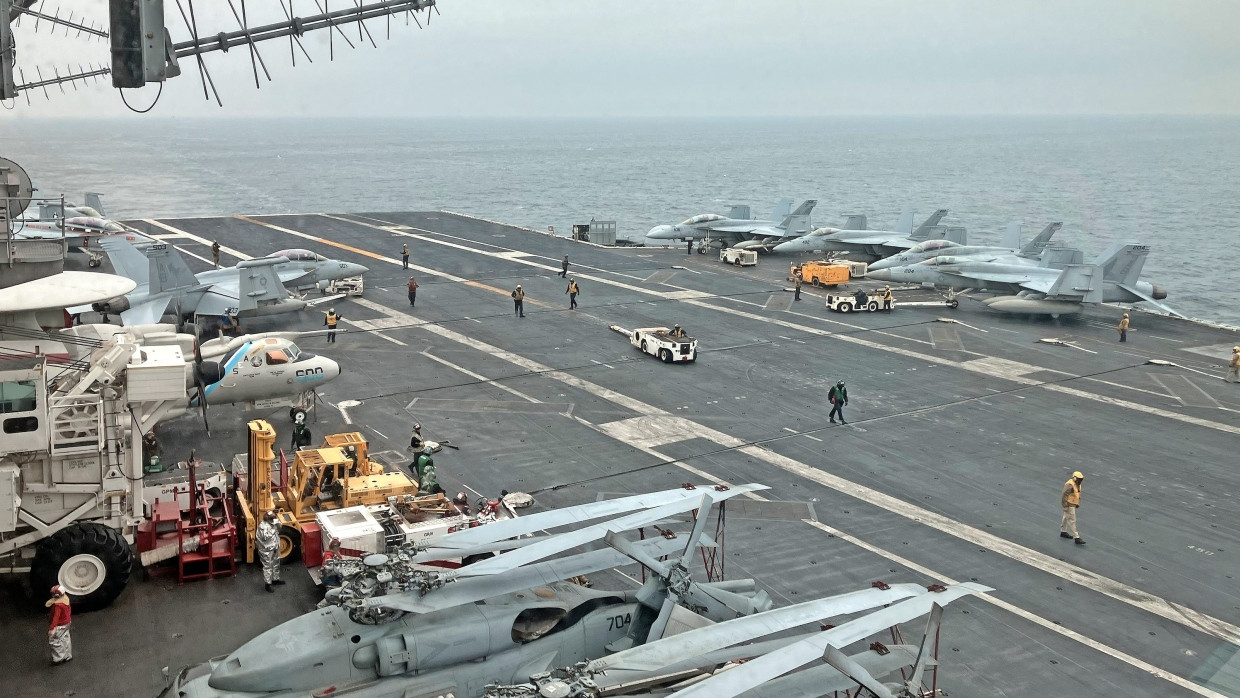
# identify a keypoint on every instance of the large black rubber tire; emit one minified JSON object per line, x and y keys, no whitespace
{"x":290,"y":545}
{"x":665,"y":356}
{"x":97,"y":548}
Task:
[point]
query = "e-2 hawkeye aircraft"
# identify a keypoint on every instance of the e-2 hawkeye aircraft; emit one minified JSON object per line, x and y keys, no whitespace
{"x":396,"y":630}
{"x":258,"y":371}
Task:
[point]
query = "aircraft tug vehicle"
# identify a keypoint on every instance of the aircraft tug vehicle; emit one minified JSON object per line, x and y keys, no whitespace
{"x":739,"y":257}
{"x":658,"y":341}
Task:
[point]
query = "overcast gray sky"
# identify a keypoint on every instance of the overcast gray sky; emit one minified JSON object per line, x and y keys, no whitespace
{"x":704,"y":58}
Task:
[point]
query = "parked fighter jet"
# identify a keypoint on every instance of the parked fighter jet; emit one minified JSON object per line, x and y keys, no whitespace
{"x":79,"y":226}
{"x":466,"y":632}
{"x":1061,"y":285}
{"x":871,"y":245}
{"x":1008,"y":253}
{"x":736,"y":232}
{"x":307,"y":270}
{"x":165,"y":283}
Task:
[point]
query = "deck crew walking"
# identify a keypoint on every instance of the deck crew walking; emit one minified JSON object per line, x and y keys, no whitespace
{"x":1233,"y":368}
{"x":1123,"y":328}
{"x":267,"y":540}
{"x":215,"y":253}
{"x":58,"y":631}
{"x":404,"y":255}
{"x":1070,"y":500}
{"x":330,"y":321}
{"x":413,"y":291}
{"x":572,"y":292}
{"x":886,"y":298}
{"x":518,"y":301}
{"x":564,"y":268}
{"x":838,"y":395}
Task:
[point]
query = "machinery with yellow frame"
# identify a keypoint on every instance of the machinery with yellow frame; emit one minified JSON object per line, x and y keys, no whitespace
{"x":338,"y":474}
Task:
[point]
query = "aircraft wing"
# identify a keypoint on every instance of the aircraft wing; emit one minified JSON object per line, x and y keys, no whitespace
{"x":733,"y":228}
{"x":146,"y":313}
{"x":670,"y":651}
{"x":218,"y":298}
{"x":1031,"y":281}
{"x":63,"y":290}
{"x":466,"y":591}
{"x":883,"y":240}
{"x":768,"y":667}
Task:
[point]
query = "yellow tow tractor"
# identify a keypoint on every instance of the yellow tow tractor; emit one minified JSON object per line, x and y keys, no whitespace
{"x":339,"y":474}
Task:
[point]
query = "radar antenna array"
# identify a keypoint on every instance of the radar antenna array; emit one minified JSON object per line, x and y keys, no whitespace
{"x":143,"y":51}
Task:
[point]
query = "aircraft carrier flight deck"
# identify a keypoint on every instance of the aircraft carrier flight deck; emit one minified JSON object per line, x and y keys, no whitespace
{"x":963,"y":425}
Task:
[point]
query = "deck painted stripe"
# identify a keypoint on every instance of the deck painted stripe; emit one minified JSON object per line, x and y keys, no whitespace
{"x":196,"y":238}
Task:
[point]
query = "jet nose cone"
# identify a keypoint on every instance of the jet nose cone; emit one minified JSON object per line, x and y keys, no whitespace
{"x":660,"y":232}
{"x":879,"y":274}
{"x":355,"y":269}
{"x":884,"y":264}
{"x":331,"y":369}
{"x":790,"y":246}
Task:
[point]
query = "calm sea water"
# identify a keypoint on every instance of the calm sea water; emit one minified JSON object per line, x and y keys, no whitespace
{"x":1171,"y":182}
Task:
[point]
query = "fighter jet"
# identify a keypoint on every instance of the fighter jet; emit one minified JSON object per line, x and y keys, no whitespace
{"x":871,"y":245}
{"x":253,"y":288}
{"x":307,"y":270}
{"x":79,"y":226}
{"x":1061,"y":285}
{"x":738,"y":232}
{"x":1008,"y":253}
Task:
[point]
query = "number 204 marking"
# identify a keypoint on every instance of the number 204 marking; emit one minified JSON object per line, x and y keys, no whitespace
{"x":617,"y":622}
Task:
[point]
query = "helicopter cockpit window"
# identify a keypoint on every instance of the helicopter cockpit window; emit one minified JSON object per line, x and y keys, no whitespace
{"x":533,"y":623}
{"x":293,"y":352}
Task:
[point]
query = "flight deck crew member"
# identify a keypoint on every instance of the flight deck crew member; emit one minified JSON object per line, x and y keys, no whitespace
{"x":330,"y":320}
{"x":838,"y":395}
{"x":1123,"y":328}
{"x":58,"y":631}
{"x":404,"y":255}
{"x":676,"y":332}
{"x":1070,"y":500}
{"x":518,"y":301}
{"x":796,"y":285}
{"x":572,"y":292}
{"x":267,"y":540}
{"x":689,"y":247}
{"x":215,"y":253}
{"x":413,"y":291}
{"x":886,"y":298}
{"x":1233,"y":368}
{"x":564,"y":268}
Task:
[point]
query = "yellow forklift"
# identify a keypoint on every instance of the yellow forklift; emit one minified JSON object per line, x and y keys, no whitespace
{"x":339,"y":474}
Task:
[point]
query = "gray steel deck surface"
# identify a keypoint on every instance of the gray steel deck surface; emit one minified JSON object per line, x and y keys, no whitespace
{"x":959,"y":439}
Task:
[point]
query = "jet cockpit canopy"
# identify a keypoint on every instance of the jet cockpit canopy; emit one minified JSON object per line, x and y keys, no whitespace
{"x":931,"y":245}
{"x":704,"y":218}
{"x":298,"y":255}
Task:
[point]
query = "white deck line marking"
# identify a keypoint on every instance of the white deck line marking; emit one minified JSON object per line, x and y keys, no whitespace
{"x":975,"y":366}
{"x":196,"y":238}
{"x":1022,"y":613}
{"x":1016,"y":610}
{"x":1165,"y":396}
{"x":475,"y":376}
{"x":182,"y":250}
{"x":1104,"y":585}
{"x":815,"y":438}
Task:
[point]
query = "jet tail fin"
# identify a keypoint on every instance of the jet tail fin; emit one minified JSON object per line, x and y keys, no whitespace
{"x":739,"y":212}
{"x":782,"y":209}
{"x":1011,"y":236}
{"x":905,"y":224}
{"x":854,"y":221}
{"x":259,"y":283}
{"x":127,"y":260}
{"x":922,"y":230}
{"x":1034,"y":247}
{"x":167,"y":269}
{"x":1083,"y":281}
{"x":797,"y":222}
{"x":95,"y":201}
{"x":957,"y":235}
{"x":1122,"y":262}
